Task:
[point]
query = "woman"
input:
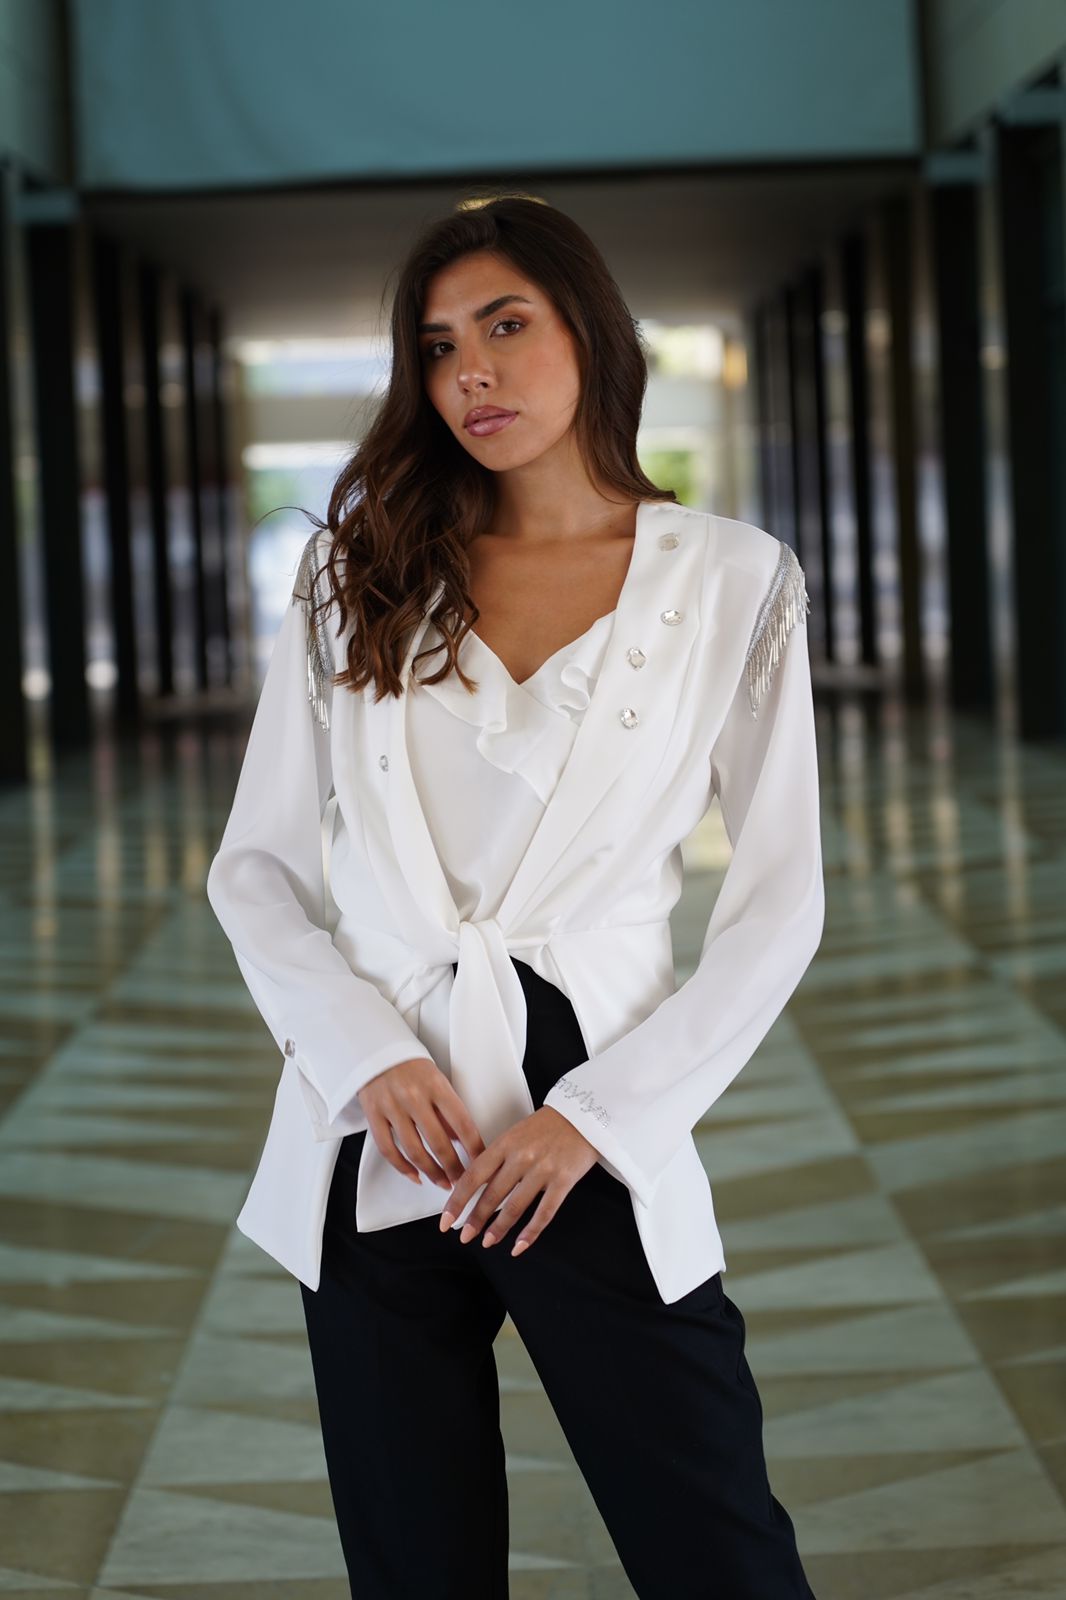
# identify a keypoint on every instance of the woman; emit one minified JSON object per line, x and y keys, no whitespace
{"x":486,"y":998}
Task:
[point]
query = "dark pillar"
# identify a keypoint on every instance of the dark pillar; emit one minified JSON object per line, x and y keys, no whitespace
{"x":793,"y":384}
{"x":953,"y":208}
{"x":49,"y":247}
{"x":14,"y":765}
{"x":897,"y":236}
{"x":1031,"y":245}
{"x":761,"y":369}
{"x":149,"y":294}
{"x":811,"y":475}
{"x":779,"y":384}
{"x":189,"y":313}
{"x":853,"y":284}
{"x":220,"y":462}
{"x":814,"y":286}
{"x":107,"y":268}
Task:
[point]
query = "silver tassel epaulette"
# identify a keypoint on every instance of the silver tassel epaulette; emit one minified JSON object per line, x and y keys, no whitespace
{"x":786,"y":602}
{"x":310,"y":592}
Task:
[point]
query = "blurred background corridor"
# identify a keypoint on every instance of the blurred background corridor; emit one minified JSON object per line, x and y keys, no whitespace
{"x":841,"y":229}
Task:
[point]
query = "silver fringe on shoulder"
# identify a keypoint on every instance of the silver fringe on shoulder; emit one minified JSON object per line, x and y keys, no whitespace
{"x":320,"y":668}
{"x":786,"y":602}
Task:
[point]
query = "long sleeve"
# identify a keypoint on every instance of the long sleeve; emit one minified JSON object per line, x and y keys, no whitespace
{"x":639,"y":1098}
{"x":266,"y":886}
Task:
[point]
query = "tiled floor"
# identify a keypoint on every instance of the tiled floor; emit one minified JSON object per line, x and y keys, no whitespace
{"x":888,"y":1173}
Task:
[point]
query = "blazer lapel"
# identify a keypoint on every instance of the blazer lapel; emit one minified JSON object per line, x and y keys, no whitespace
{"x":635,"y":700}
{"x":625,"y":727}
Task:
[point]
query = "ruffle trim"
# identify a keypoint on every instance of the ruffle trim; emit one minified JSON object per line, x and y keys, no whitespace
{"x":526,"y":728}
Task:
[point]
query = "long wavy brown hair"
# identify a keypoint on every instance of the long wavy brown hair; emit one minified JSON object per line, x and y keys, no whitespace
{"x":409,"y":500}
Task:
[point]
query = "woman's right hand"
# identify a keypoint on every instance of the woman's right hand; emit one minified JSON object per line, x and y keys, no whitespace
{"x":414,"y":1102}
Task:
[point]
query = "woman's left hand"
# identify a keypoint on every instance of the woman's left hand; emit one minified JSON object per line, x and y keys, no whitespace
{"x":543,"y":1152}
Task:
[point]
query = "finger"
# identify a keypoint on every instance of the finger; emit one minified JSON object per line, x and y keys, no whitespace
{"x":544,"y":1213}
{"x":445,"y":1121}
{"x":383,"y":1138}
{"x":463,"y":1156}
{"x":478,"y":1172}
{"x":461,"y":1122}
{"x":496,"y":1192}
{"x":516,"y":1205}
{"x":408,"y":1138}
{"x":438,"y":1135}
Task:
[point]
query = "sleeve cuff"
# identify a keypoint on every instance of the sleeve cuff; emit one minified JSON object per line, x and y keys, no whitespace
{"x":340,"y":1112}
{"x":587,"y":1116}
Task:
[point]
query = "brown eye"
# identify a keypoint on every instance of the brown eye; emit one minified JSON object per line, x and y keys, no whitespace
{"x":505,"y":322}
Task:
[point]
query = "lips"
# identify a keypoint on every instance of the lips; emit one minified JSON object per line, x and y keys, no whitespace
{"x":479,"y":413}
{"x":484,"y":420}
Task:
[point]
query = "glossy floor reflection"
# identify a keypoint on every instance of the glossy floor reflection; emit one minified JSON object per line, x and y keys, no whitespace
{"x":888,"y":1174}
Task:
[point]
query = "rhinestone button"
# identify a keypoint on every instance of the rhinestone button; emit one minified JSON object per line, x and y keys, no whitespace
{"x":383,"y":763}
{"x":628,"y":717}
{"x":290,"y":1047}
{"x":636,"y":657}
{"x":671,"y":617}
{"x":668,"y":541}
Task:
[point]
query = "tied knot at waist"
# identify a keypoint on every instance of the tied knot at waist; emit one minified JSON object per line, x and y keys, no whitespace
{"x":480,"y":1007}
{"x":486,"y":1008}
{"x":477,"y":940}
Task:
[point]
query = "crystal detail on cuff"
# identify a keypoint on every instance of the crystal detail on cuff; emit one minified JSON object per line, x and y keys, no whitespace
{"x":574,"y":1091}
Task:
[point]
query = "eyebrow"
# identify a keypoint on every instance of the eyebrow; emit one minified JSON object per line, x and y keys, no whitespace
{"x":479,"y":316}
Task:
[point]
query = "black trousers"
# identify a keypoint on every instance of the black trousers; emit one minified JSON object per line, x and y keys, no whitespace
{"x":657,"y":1401}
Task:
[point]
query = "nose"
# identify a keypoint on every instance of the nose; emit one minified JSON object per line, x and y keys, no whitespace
{"x":474,"y":380}
{"x":473,"y":371}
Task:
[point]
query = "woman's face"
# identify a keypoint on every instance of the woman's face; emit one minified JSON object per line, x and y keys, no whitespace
{"x":491,"y":338}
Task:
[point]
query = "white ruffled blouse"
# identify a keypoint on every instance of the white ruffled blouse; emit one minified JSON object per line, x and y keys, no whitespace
{"x":502,"y":749}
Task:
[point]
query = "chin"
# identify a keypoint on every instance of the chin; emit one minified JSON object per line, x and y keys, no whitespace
{"x":502,"y":460}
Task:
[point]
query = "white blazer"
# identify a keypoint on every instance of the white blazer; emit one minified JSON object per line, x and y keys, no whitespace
{"x":346,"y":933}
